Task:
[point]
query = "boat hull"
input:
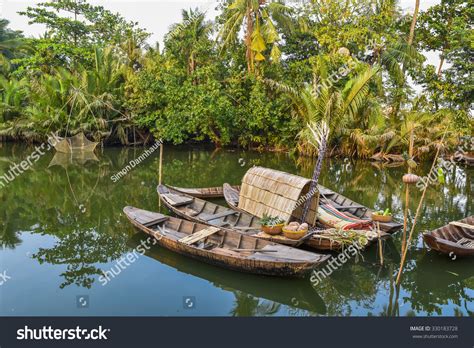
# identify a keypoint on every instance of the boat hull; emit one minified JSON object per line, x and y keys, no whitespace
{"x":452,"y":240}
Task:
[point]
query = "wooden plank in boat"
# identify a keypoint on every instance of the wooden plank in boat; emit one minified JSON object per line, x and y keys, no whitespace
{"x":177,"y":200}
{"x":462,"y":224}
{"x":284,"y":253}
{"x":148,"y":218}
{"x":466,"y":242}
{"x":209,"y":217}
{"x":193,"y":238}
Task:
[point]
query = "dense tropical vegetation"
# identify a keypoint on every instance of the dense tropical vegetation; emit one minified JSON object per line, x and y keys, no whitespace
{"x":255,"y":76}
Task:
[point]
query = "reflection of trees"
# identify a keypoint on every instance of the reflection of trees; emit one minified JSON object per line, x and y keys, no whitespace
{"x":352,"y":284}
{"x":80,"y":250}
{"x":246,"y":305}
{"x":429,"y":292}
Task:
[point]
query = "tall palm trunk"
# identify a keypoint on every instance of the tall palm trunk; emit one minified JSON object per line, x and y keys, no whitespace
{"x":314,"y":179}
{"x":248,"y":40}
{"x":413,"y":22}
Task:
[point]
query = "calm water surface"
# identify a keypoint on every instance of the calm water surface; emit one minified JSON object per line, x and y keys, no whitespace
{"x":61,"y":226}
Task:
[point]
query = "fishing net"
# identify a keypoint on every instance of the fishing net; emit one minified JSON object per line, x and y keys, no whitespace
{"x":78,"y":142}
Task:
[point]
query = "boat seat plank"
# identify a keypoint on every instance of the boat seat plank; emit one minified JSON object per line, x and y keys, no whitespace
{"x":284,"y":253}
{"x":209,"y":217}
{"x":149,"y":218}
{"x":195,"y":237}
{"x":462,"y":224}
{"x":155,"y":222}
{"x":177,"y":200}
{"x":466,"y":242}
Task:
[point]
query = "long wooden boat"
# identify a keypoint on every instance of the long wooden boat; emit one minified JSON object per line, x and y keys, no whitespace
{"x":209,"y":213}
{"x":296,"y":293}
{"x":204,"y":192}
{"x":338,"y":201}
{"x":454,"y":239}
{"x":222,"y":247}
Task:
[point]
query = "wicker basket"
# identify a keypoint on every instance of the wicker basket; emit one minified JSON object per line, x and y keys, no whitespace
{"x":295,"y":235}
{"x":381,"y":218}
{"x":272,"y":230}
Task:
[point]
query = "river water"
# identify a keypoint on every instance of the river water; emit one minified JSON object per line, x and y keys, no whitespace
{"x":61,"y":226}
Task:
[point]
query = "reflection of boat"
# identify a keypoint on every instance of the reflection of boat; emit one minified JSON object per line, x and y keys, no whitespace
{"x":76,"y":143}
{"x":297,"y":293}
{"x":225,"y":248}
{"x":456,"y":238}
{"x":76,"y":158}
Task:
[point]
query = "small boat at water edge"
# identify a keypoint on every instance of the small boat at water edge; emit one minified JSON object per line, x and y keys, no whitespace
{"x":209,"y":213}
{"x":222,"y":247}
{"x":204,"y":192}
{"x":454,"y":239}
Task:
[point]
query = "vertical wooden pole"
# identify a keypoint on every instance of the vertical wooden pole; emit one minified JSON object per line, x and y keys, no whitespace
{"x":380,"y":244}
{"x":160,"y":170}
{"x":407,"y":192}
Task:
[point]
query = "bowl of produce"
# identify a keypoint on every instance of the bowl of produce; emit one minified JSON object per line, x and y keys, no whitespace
{"x":382,"y":216}
{"x":272,"y":224}
{"x":295,"y":231}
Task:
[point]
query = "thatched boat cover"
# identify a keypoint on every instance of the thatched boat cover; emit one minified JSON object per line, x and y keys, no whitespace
{"x":275,"y":193}
{"x":78,"y":142}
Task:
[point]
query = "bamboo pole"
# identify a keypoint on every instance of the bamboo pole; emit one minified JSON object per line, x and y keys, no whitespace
{"x":380,"y":244}
{"x":407,"y":192}
{"x":160,"y":170}
{"x":415,"y":220}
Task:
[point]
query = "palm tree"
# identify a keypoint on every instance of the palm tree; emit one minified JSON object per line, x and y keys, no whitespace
{"x":260,"y":21}
{"x":338,"y":106}
{"x":413,"y":22}
{"x":189,"y":37}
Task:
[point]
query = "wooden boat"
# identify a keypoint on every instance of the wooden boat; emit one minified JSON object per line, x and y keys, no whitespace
{"x":296,"y":293}
{"x":204,"y":192}
{"x":222,"y":247}
{"x":338,"y":201}
{"x":454,"y":239}
{"x":205,"y":212}
{"x":76,"y":143}
{"x":201,"y":211}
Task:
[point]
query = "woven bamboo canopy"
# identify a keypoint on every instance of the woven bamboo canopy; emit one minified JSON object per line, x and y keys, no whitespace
{"x":267,"y":191}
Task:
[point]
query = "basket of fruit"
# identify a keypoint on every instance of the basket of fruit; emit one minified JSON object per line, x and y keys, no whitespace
{"x":295,"y":230}
{"x":272,"y":225}
{"x":382,"y":216}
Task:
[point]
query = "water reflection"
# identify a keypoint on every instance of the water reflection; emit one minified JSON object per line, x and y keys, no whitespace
{"x":74,"y":201}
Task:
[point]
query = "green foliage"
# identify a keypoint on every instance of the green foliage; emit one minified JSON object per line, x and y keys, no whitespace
{"x":448,"y":28}
{"x":347,"y":63}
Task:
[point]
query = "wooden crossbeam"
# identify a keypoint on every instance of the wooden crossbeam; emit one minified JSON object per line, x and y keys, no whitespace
{"x":177,"y":200}
{"x":209,"y":217}
{"x":193,"y":238}
{"x":462,"y":224}
{"x":466,"y":242}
